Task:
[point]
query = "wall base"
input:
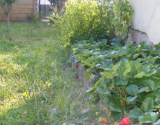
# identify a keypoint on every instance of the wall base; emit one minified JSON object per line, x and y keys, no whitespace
{"x":138,"y":36}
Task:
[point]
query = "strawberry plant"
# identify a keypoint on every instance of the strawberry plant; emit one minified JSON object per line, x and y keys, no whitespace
{"x":150,"y":117}
{"x":104,"y":121}
{"x":129,"y":76}
{"x":76,"y":65}
{"x":125,"y":121}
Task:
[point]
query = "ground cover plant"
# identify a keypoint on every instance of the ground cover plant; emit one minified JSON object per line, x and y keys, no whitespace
{"x":128,"y":80}
{"x":36,"y":83}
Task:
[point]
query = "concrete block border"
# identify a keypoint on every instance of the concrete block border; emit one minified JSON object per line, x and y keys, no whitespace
{"x":81,"y":72}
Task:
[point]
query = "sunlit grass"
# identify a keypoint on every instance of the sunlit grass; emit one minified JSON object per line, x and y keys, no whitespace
{"x":27,"y":63}
{"x":36,"y":84}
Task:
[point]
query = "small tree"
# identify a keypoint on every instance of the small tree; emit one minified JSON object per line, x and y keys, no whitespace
{"x":7,"y":6}
{"x":122,"y":20}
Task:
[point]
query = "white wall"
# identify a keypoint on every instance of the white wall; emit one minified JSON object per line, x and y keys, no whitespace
{"x":146,"y":21}
{"x":44,"y":2}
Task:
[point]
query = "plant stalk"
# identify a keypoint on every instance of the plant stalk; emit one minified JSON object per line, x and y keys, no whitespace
{"x":7,"y":20}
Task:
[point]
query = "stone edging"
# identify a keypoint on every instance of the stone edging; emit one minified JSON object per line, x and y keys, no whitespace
{"x":81,"y":72}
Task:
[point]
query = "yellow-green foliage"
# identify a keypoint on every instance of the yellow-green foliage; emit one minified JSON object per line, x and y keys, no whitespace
{"x":86,"y":18}
{"x":122,"y":20}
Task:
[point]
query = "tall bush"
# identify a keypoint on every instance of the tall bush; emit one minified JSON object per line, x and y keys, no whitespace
{"x":84,"y":19}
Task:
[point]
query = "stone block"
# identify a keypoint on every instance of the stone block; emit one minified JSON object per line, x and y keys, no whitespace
{"x":79,"y":70}
{"x":69,"y":55}
{"x":72,"y":64}
{"x":87,"y":83}
{"x":83,"y":71}
{"x":84,"y":80}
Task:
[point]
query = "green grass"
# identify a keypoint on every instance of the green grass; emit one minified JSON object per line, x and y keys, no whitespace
{"x":36,"y":82}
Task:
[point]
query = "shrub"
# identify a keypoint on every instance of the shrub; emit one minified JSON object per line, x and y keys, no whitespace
{"x":85,"y":19}
{"x":55,"y":19}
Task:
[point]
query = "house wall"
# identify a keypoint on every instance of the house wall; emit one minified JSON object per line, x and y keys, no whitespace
{"x":44,"y":2}
{"x":21,"y":10}
{"x":145,"y":21}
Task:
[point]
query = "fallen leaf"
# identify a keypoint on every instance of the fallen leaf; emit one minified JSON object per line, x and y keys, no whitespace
{"x":30,"y":94}
{"x":84,"y":110}
{"x":23,"y":115}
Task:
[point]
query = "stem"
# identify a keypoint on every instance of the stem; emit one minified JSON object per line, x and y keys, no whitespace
{"x":7,"y":20}
{"x":128,"y":28}
{"x":120,"y":23}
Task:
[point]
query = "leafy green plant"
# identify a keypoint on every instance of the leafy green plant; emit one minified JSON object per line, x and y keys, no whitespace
{"x":36,"y":17}
{"x":123,"y":16}
{"x":129,"y":81}
{"x":150,"y":117}
{"x":85,"y":19}
{"x":7,"y":6}
{"x":55,"y":19}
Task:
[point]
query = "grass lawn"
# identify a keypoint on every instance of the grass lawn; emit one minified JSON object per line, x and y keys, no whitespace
{"x":36,"y":82}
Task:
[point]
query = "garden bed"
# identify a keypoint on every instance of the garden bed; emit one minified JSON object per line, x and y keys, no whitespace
{"x":132,"y":64}
{"x":81,"y":72}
